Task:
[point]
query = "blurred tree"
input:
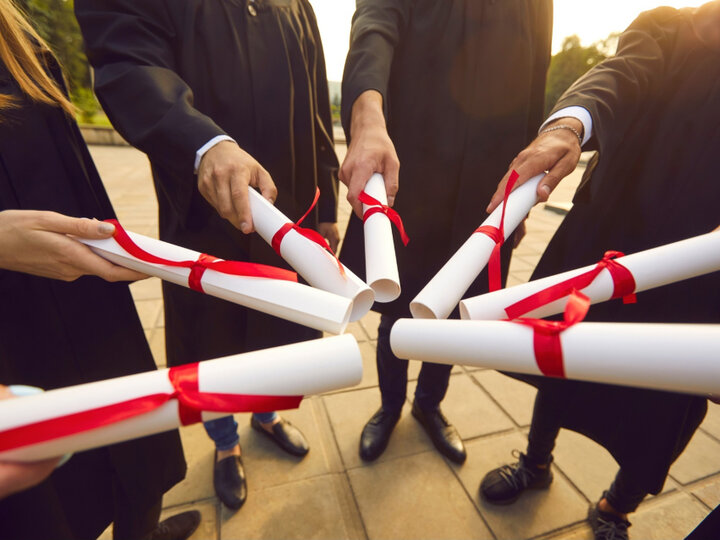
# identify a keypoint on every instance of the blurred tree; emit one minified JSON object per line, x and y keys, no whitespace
{"x":55,"y":21}
{"x":571,"y":63}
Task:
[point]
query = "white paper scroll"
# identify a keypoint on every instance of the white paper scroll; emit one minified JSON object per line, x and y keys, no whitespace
{"x":651,"y":268}
{"x":306,"y":368}
{"x":381,"y":271}
{"x":315,"y":264}
{"x":285,"y":299}
{"x":674,"y":357}
{"x":440,"y":296}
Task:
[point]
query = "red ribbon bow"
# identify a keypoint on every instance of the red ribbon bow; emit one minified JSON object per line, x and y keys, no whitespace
{"x":623,"y":286}
{"x":310,"y":234}
{"x":546,"y":335}
{"x":497,"y":235}
{"x":190,"y":404}
{"x":204,"y":262}
{"x":378,"y":207}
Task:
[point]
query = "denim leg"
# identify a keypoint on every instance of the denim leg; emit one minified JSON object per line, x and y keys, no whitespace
{"x":432,"y":385}
{"x":623,"y":495}
{"x":392,"y":371}
{"x":265,"y":417}
{"x":223,"y":431}
{"x":544,"y":428}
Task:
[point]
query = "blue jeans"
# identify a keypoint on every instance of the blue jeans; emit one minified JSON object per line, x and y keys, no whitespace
{"x":223,"y":431}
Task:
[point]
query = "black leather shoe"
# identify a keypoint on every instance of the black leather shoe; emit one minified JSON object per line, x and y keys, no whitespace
{"x":376,"y":434}
{"x":285,"y":435}
{"x":229,"y":481}
{"x":177,"y":527}
{"x":443,"y":434}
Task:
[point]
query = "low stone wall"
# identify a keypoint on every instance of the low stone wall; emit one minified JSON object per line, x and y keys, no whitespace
{"x":102,"y":135}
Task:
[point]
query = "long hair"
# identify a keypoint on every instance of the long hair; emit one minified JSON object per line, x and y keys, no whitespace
{"x":21,"y":50}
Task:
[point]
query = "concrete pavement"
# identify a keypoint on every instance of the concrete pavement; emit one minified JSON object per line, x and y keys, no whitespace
{"x":410,"y":491}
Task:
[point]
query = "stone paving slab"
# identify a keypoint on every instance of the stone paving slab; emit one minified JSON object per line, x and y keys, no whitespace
{"x":320,"y":508}
{"x":415,"y":497}
{"x":470,"y":409}
{"x":536,"y":512}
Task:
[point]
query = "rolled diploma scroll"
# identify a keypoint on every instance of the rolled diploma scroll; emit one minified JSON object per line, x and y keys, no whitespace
{"x":651,"y":268}
{"x":443,"y":292}
{"x":316,"y":265}
{"x":285,"y":299}
{"x":305,"y":368}
{"x":674,"y":357}
{"x":381,"y":271}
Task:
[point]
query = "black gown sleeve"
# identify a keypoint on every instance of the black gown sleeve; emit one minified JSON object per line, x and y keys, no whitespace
{"x":377,"y":27}
{"x":130,"y":46}
{"x":615,"y":90}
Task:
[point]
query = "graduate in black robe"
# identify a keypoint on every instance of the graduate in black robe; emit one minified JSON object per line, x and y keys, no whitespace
{"x":655,"y":121}
{"x":452,"y":89}
{"x":55,"y":334}
{"x":175,"y":75}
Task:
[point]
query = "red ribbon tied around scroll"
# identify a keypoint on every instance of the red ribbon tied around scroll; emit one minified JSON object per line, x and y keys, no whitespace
{"x":546,"y":335}
{"x":310,"y":234}
{"x":497,"y":235}
{"x":623,"y":286}
{"x":204,"y":262}
{"x":191,"y":402}
{"x":376,"y":207}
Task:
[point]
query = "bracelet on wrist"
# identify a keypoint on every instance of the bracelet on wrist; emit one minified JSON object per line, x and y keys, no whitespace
{"x":564,"y":126}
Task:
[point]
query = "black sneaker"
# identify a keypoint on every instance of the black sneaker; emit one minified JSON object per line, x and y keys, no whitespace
{"x":505,"y":484}
{"x":606,"y":526}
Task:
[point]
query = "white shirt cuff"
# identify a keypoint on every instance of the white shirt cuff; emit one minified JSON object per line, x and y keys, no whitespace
{"x":581,"y":113}
{"x":207,"y":146}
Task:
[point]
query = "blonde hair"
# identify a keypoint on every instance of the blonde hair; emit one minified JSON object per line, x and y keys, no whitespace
{"x":23,"y":59}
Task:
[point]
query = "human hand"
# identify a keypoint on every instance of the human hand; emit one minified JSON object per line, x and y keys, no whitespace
{"x":370,"y":151}
{"x":16,"y":477}
{"x":224,"y":174}
{"x":37,"y":242}
{"x":329,"y":231}
{"x":556,"y":152}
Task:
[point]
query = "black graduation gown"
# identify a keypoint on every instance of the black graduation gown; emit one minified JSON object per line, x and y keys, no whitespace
{"x":655,"y":108}
{"x":172,"y":75}
{"x":463,"y":85}
{"x":55,"y":334}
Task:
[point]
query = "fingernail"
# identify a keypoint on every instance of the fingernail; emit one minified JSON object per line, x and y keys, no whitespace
{"x":244,"y":227}
{"x":107,"y":228}
{"x":545,"y":188}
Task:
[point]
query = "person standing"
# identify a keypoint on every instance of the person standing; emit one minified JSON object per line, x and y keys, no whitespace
{"x":74,"y":328}
{"x":449,"y":90}
{"x":653,"y":113}
{"x":221,"y":95}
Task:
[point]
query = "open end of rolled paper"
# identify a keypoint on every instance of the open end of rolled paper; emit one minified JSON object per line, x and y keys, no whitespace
{"x":464,"y":313}
{"x":386,"y":290}
{"x":362,"y":304}
{"x":421,"y":311}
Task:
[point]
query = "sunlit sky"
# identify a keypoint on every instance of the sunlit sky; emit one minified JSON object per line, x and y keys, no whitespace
{"x":591,"y":20}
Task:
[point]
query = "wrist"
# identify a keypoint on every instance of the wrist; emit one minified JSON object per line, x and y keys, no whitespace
{"x":367,"y":112}
{"x":568,"y":124}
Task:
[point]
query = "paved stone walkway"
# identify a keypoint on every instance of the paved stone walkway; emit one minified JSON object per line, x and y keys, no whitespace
{"x":411,"y":491}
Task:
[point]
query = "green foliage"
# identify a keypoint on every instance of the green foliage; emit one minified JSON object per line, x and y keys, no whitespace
{"x":55,"y":21}
{"x":571,"y":63}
